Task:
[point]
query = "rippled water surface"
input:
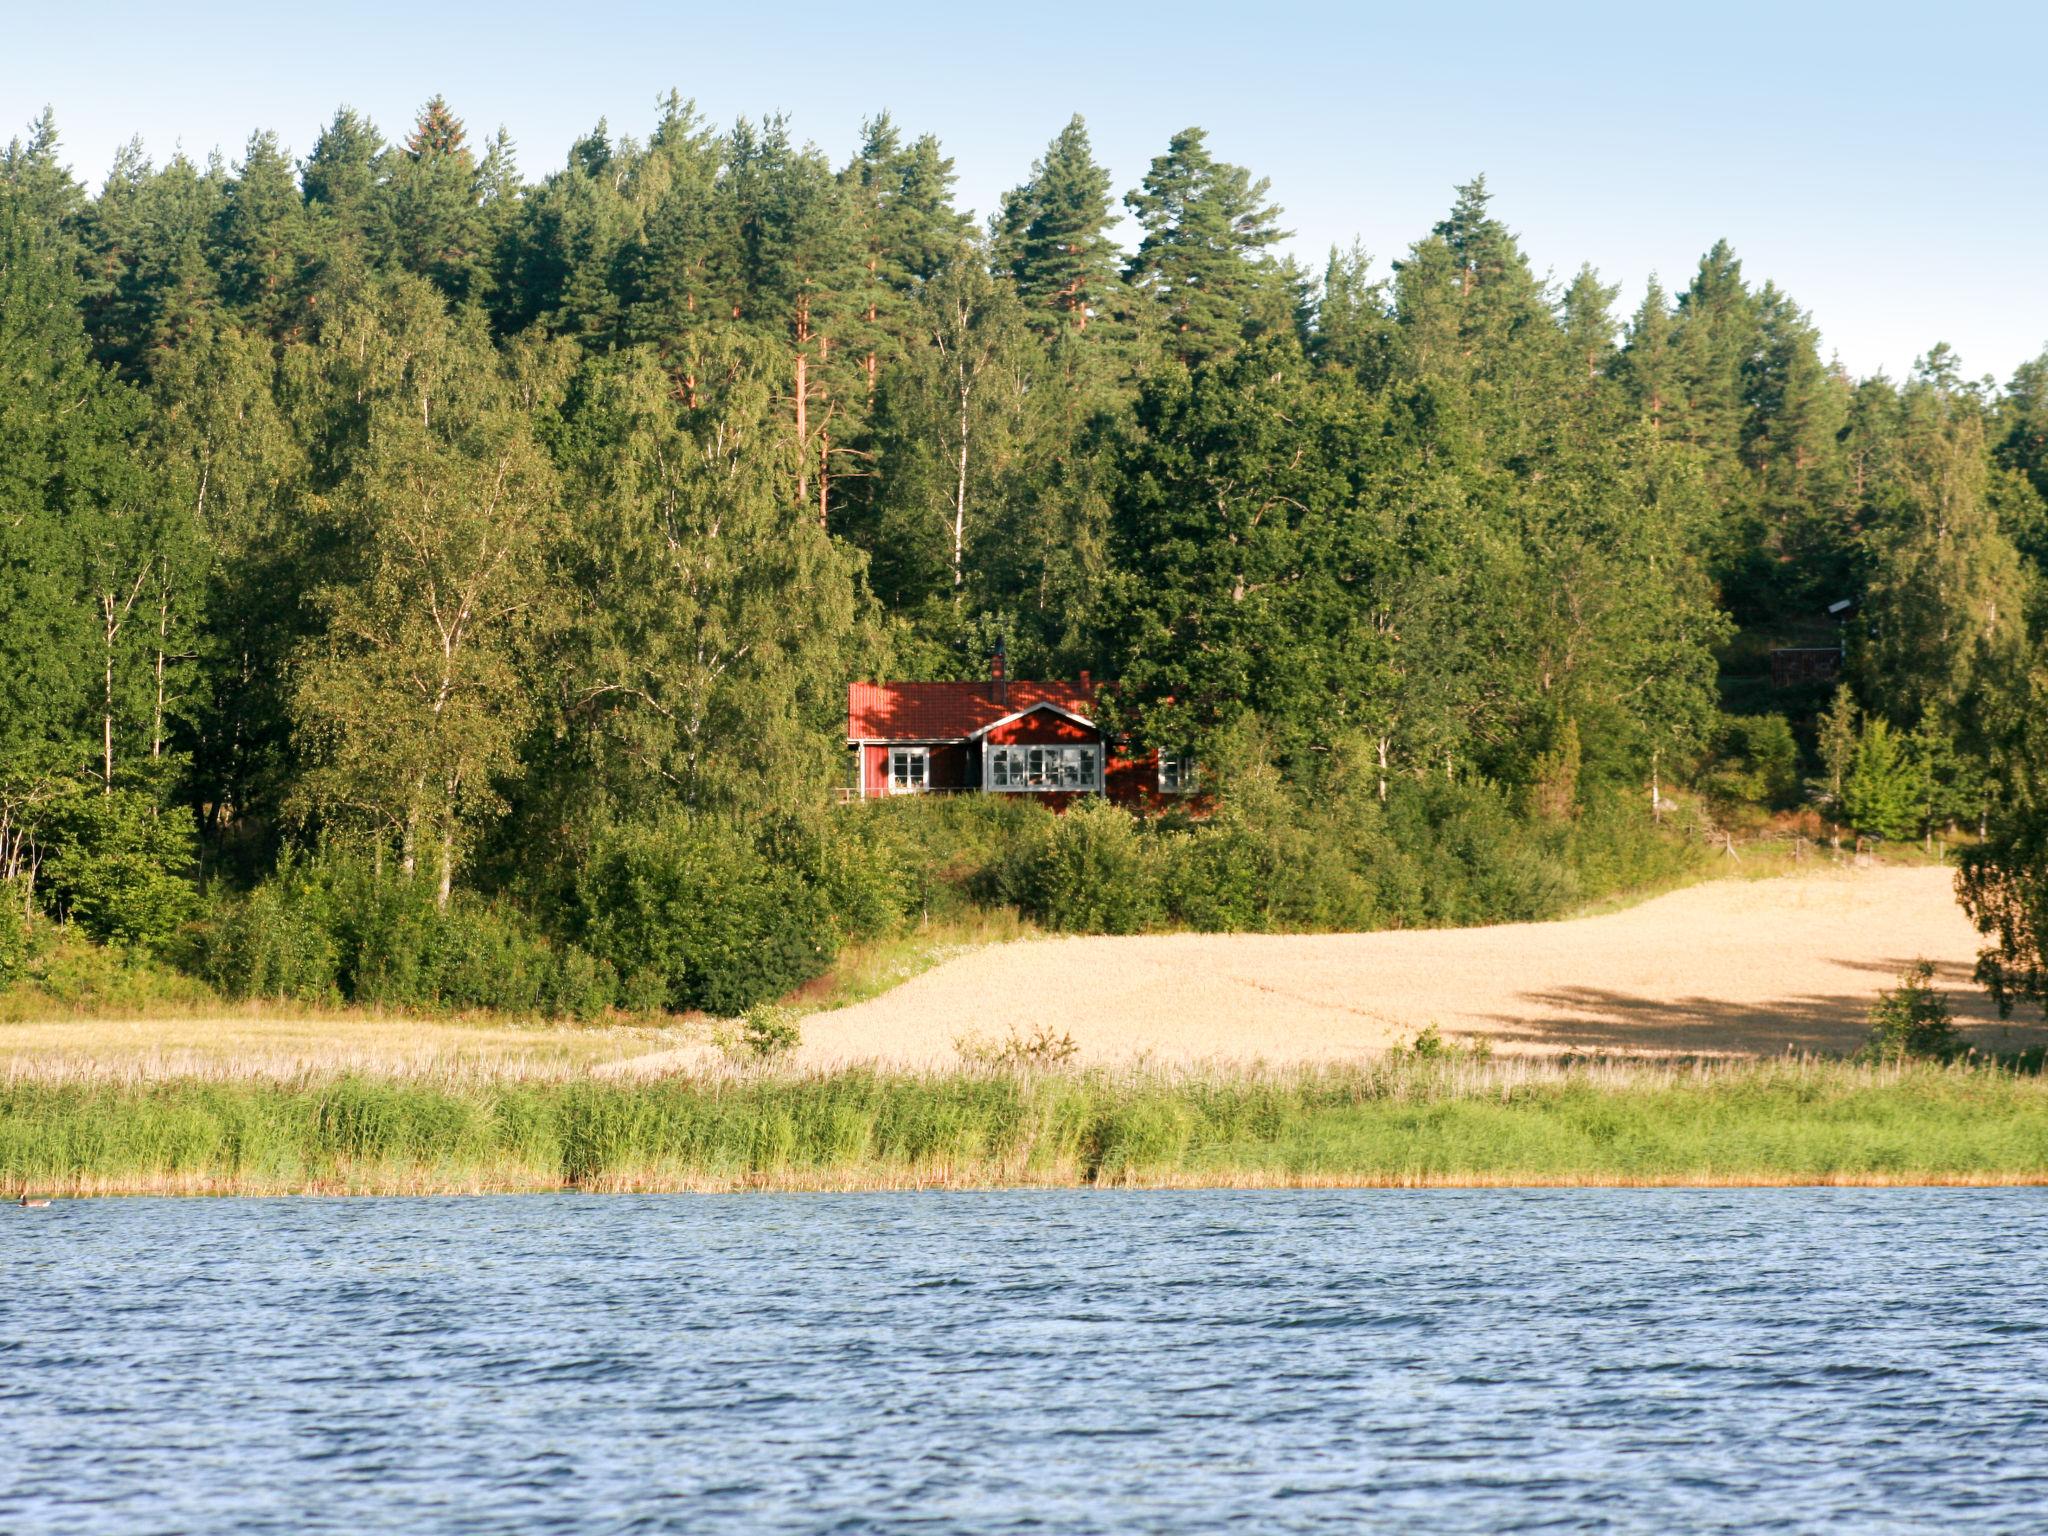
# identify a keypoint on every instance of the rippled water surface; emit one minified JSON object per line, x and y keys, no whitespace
{"x":1652,"y":1361}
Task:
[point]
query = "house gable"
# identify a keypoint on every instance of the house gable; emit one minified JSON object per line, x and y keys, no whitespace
{"x":1043,"y":723}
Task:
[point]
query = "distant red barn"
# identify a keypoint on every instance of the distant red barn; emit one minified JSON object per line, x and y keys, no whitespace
{"x":998,"y":738}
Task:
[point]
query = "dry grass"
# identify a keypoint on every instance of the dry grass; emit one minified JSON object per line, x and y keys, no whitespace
{"x":277,"y":1044}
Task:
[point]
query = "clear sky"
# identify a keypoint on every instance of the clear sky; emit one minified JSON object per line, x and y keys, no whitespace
{"x":1886,"y":164}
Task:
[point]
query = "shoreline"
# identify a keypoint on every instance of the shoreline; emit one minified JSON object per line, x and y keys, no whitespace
{"x":2035,"y":1179}
{"x":1402,"y":1122}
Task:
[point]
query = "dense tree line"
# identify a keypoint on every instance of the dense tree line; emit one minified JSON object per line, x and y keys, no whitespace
{"x":509,"y":543}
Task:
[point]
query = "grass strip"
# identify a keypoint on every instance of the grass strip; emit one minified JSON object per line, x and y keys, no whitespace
{"x":1400,"y":1123}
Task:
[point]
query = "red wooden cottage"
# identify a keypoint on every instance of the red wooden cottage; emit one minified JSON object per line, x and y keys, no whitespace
{"x":998,"y":738}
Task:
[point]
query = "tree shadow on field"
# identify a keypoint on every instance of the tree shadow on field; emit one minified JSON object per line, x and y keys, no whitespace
{"x":1598,"y":1019}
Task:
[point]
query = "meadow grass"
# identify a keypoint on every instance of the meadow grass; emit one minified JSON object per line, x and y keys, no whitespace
{"x":1398,"y":1122}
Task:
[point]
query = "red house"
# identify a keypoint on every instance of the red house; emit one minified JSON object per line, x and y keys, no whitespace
{"x":998,"y":738}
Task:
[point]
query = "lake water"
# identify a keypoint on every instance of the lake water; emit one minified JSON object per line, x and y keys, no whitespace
{"x":1665,"y":1361}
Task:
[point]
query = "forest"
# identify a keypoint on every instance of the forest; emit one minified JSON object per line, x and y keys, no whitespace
{"x":425,"y":585}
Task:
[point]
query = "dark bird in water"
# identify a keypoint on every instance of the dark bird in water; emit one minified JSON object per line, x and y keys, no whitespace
{"x":31,"y":1205}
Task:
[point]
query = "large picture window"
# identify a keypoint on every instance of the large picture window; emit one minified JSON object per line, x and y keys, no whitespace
{"x":909,"y":770}
{"x":1044,"y":769}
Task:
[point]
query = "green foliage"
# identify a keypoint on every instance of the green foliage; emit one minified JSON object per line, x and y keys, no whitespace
{"x":14,"y":939}
{"x":476,"y":521}
{"x":701,"y":906}
{"x":1094,"y":872}
{"x":1882,"y":794}
{"x":769,"y":1031}
{"x":1910,"y":1022}
{"x":1425,"y":1118}
{"x":1755,"y":763}
{"x":333,"y":928}
{"x":122,"y":867}
{"x":2003,"y":882}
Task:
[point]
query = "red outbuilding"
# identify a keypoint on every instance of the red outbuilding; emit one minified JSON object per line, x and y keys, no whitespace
{"x":999,"y":738}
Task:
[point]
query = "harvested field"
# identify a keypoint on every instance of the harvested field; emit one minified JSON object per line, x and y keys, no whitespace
{"x":1731,"y":967}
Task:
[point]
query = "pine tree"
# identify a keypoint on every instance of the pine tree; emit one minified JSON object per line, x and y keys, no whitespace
{"x":1646,"y":368}
{"x":1587,"y":319}
{"x":1203,"y":259}
{"x":1052,"y":235}
{"x":31,"y":167}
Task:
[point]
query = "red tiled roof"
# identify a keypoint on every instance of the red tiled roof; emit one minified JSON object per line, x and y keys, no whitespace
{"x":948,"y":711}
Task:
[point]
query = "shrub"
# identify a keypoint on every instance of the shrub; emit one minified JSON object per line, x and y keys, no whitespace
{"x":1214,"y":879}
{"x":333,"y":926}
{"x":1756,"y":762}
{"x":699,"y":905}
{"x":769,"y":1030}
{"x":1480,"y":863}
{"x":277,"y":941}
{"x":121,"y":867}
{"x":1911,"y":1022}
{"x":854,"y":866}
{"x":1094,"y":872}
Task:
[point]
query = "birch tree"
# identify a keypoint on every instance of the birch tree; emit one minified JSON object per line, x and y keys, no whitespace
{"x":410,"y":706}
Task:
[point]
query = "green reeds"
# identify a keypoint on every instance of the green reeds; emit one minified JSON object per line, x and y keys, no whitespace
{"x":1394,"y":1123}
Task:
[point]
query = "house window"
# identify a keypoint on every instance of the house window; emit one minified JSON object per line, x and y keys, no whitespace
{"x":1176,"y":774}
{"x":1074,"y":770}
{"x":909,"y":770}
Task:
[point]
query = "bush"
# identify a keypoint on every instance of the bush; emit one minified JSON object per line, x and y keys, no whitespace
{"x":1479,"y":861}
{"x":1756,"y":762}
{"x":1094,"y":872}
{"x":277,"y":942}
{"x":699,"y":905}
{"x":333,"y":927}
{"x":854,"y":866}
{"x":1214,"y":879}
{"x":1911,"y":1021}
{"x":768,"y":1031}
{"x":121,"y":867}
{"x":955,"y":852}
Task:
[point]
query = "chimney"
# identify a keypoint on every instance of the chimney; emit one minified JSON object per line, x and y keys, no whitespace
{"x":999,"y":672}
{"x":1087,"y":685}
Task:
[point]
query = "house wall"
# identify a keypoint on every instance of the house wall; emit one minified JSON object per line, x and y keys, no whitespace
{"x":1128,"y":780}
{"x":952,"y":767}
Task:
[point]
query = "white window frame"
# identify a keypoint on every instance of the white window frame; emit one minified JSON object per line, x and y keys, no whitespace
{"x":1176,"y":773}
{"x":1041,"y":768}
{"x":899,"y":760}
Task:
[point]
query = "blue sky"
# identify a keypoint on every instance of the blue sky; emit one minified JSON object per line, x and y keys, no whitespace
{"x":1885,"y":164}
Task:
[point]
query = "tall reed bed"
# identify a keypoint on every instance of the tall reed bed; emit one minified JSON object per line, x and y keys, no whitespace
{"x":1394,"y":1123}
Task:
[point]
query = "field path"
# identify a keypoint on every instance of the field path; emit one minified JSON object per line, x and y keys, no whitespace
{"x":1731,"y":966}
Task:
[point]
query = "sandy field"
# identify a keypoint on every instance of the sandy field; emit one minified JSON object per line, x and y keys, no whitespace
{"x":1730,"y":967}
